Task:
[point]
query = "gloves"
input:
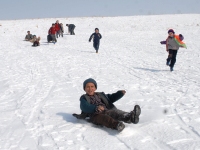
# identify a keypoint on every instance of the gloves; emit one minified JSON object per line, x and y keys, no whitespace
{"x":163,"y":42}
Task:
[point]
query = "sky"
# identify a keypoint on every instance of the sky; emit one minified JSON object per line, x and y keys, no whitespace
{"x":29,"y":9}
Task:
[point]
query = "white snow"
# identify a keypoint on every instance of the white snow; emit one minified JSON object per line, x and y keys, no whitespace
{"x":40,"y":86}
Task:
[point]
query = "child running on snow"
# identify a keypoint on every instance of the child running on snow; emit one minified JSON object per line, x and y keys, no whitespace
{"x":96,"y":39}
{"x":99,"y":107}
{"x":173,"y":42}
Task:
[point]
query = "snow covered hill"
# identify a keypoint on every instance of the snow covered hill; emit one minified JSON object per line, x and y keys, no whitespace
{"x":40,"y":86}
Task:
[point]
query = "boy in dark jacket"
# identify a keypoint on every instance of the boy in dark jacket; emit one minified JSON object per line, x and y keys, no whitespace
{"x":101,"y":110}
{"x":96,"y":39}
{"x":71,"y":28}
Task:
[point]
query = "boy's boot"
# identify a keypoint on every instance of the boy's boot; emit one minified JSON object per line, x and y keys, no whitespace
{"x":135,"y":114}
{"x":120,"y":126}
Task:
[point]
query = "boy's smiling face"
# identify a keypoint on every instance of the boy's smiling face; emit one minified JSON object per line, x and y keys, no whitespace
{"x":90,"y":88}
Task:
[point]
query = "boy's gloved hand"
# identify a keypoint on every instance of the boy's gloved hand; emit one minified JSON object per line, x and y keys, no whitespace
{"x":100,"y":108}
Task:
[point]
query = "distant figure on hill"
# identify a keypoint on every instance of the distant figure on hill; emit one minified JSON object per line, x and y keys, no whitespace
{"x":71,"y":28}
{"x":29,"y":36}
{"x":57,"y":26}
{"x":35,"y":41}
{"x":52,"y":34}
{"x":100,"y":109}
{"x":96,"y":39}
{"x":61,"y":29}
{"x":173,"y":42}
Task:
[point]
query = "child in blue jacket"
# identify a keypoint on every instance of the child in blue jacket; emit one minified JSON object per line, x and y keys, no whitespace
{"x":99,"y":107}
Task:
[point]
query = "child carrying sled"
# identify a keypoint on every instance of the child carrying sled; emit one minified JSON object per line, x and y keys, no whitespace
{"x":100,"y":109}
{"x":173,"y":42}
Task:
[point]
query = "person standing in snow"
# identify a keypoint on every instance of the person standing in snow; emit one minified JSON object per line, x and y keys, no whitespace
{"x":61,"y":29}
{"x":99,"y":107}
{"x":71,"y":28}
{"x":52,"y":33}
{"x":173,"y":42}
{"x":57,"y":26}
{"x":96,"y":39}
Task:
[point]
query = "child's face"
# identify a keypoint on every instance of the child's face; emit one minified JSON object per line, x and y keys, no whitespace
{"x":96,"y":31}
{"x":171,"y":34}
{"x":90,"y":88}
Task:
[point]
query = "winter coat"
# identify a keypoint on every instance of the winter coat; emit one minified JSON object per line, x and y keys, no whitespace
{"x":174,"y":42}
{"x":28,"y":37}
{"x":107,"y":99}
{"x":61,"y":28}
{"x":52,"y":30}
{"x":96,"y":37}
{"x":57,"y":26}
{"x":171,"y":43}
{"x":35,"y":39}
{"x":71,"y":26}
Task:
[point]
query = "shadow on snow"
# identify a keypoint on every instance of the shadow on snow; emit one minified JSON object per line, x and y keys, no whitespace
{"x":151,"y":70}
{"x":69,"y":118}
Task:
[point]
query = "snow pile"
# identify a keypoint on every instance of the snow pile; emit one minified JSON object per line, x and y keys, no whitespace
{"x":40,"y":86}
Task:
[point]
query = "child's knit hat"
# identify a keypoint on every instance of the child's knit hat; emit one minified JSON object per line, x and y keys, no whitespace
{"x":171,"y":30}
{"x":90,"y":80}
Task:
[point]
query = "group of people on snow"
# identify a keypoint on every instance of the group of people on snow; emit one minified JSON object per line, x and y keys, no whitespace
{"x":98,"y":106}
{"x":33,"y":39}
{"x":55,"y":30}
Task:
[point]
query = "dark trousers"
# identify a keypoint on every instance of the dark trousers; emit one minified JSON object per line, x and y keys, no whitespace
{"x":110,"y":118}
{"x":53,"y":37}
{"x":96,"y":46}
{"x":172,"y":57}
{"x":72,"y":31}
{"x":58,"y":33}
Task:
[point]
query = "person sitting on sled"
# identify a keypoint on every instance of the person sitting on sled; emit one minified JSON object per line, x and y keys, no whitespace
{"x":173,"y":42}
{"x":100,"y":109}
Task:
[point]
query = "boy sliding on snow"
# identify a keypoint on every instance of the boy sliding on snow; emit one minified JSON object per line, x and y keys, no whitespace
{"x":96,"y":39}
{"x":173,"y":42}
{"x":99,"y":107}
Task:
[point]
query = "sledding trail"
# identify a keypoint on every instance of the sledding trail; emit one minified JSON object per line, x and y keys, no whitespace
{"x":40,"y":86}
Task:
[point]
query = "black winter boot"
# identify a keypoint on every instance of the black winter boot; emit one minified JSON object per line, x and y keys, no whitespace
{"x":135,"y":114}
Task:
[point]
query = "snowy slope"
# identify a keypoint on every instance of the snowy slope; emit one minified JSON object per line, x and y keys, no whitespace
{"x":40,"y":87}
